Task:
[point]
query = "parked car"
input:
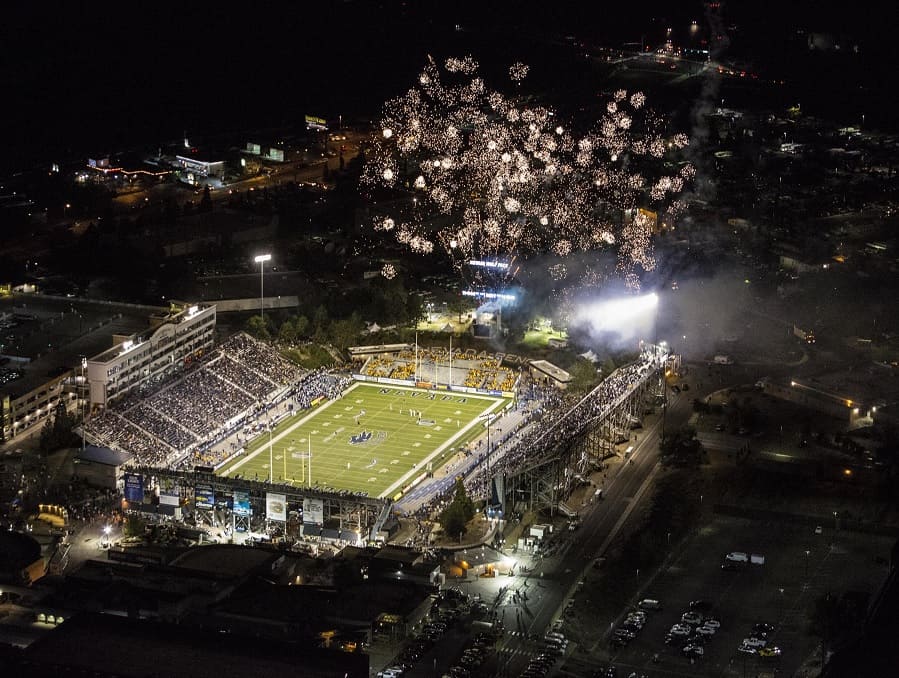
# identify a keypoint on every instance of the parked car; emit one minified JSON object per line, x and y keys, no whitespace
{"x":649,"y":604}
{"x":692,"y":618}
{"x":771,"y":651}
{"x":712,"y":623}
{"x":693,"y":650}
{"x":754,"y":643}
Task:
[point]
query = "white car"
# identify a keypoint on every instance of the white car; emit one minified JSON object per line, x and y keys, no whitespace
{"x":755,"y":643}
{"x":680,"y":630}
{"x":705,"y":631}
{"x":712,"y":624}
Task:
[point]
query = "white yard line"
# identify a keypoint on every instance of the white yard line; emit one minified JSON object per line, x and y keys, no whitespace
{"x":424,"y":462}
{"x":495,"y":402}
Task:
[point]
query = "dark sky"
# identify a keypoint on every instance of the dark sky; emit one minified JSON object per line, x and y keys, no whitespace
{"x":93,"y":74}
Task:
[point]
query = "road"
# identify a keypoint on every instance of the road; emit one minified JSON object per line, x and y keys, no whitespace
{"x":551,"y":580}
{"x":600,"y":522}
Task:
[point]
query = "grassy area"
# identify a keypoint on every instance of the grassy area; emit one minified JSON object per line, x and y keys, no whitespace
{"x":310,"y":356}
{"x":397,"y":445}
{"x":538,"y":339}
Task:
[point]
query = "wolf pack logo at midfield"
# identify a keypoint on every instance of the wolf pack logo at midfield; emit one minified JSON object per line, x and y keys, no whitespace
{"x":368,"y":437}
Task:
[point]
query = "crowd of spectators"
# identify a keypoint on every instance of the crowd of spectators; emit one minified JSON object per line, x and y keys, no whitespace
{"x":112,"y":430}
{"x":190,"y":411}
{"x":319,"y":383}
{"x":567,"y":420}
{"x":480,"y":370}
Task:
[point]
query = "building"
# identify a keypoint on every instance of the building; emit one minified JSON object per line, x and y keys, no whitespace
{"x":100,"y":466}
{"x":544,"y":372}
{"x":106,"y":645}
{"x":44,"y":340}
{"x":173,"y":341}
{"x":195,"y":167}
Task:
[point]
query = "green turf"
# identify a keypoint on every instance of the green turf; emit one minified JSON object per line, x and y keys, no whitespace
{"x":379,"y":465}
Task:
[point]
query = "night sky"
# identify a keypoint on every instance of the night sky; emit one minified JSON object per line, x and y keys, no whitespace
{"x":101,"y":77}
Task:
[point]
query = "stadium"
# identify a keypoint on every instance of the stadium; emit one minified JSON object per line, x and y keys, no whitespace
{"x":215,"y":423}
{"x":236,"y":436}
{"x":372,"y":440}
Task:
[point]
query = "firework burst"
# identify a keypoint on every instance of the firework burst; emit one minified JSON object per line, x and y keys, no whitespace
{"x":494,"y":178}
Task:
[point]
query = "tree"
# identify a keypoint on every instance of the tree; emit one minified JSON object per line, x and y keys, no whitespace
{"x":681,"y":447}
{"x":257,"y":327}
{"x":287,"y":333}
{"x":345,"y":332}
{"x":462,"y":499}
{"x":134,"y":526}
{"x":320,"y":322}
{"x":452,"y":520}
{"x":57,"y":433}
{"x":301,"y":326}
{"x":583,"y":375}
{"x":454,"y":517}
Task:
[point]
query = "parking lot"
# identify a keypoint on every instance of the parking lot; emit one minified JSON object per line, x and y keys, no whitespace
{"x":799,"y":567}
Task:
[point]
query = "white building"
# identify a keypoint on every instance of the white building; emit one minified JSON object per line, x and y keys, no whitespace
{"x":204,"y":168}
{"x":179,"y":338}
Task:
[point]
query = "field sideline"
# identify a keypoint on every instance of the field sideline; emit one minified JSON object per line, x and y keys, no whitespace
{"x":367,"y":440}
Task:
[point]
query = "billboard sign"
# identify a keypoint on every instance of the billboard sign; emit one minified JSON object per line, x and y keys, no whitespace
{"x":134,"y":487}
{"x":313,"y":511}
{"x":255,"y":149}
{"x":313,"y":122}
{"x":276,"y":154}
{"x":204,"y":497}
{"x":276,"y":507}
{"x":169,"y":492}
{"x":242,"y":503}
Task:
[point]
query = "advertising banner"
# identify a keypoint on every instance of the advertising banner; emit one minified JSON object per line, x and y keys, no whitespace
{"x":169,"y":492}
{"x":204,"y":496}
{"x":134,"y":487}
{"x":276,"y":507}
{"x":241,"y":503}
{"x":313,"y":511}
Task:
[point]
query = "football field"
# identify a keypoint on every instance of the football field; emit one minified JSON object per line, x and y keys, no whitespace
{"x":373,"y":439}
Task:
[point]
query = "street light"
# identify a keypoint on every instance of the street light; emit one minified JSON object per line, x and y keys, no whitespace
{"x":81,"y":393}
{"x":807,"y":553}
{"x":261,"y":259}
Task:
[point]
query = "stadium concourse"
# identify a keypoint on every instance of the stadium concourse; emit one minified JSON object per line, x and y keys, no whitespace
{"x":184,"y":419}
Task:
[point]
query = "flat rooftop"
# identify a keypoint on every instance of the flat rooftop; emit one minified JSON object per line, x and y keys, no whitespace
{"x":102,"y":645}
{"x":51,"y":334}
{"x":224,"y":559}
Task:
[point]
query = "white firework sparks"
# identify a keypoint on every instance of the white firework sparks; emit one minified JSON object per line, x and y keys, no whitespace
{"x":512,"y":180}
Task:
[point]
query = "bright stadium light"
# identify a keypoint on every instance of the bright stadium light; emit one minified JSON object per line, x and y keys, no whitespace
{"x":620,"y":320}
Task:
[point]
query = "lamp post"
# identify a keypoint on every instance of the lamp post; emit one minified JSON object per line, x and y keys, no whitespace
{"x":271,"y":460}
{"x":81,"y":393}
{"x":489,"y":416}
{"x":807,"y":553}
{"x":261,"y":259}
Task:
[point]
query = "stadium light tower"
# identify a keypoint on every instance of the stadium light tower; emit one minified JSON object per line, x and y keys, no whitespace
{"x":261,"y":259}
